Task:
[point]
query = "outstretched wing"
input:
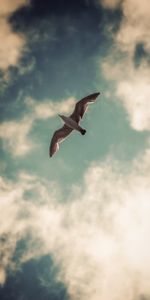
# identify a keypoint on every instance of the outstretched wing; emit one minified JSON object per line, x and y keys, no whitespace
{"x":82,"y":105}
{"x":58,"y":137}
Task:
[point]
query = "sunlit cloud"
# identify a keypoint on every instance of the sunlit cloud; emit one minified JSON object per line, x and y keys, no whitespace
{"x":12,"y":44}
{"x":8,"y":6}
{"x":135,"y":26}
{"x":15,"y":136}
{"x":99,"y":238}
{"x":132,"y":82}
{"x":112,"y":4}
{"x":2,"y":276}
{"x":15,"y":133}
{"x":48,"y":109}
{"x":132,"y":89}
{"x":18,"y":211}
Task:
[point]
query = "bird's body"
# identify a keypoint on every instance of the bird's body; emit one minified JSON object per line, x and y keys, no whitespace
{"x":71,"y":122}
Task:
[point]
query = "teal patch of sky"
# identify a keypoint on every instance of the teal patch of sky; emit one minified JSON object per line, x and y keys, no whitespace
{"x":68,"y":65}
{"x":108,"y":133}
{"x":62,"y":61}
{"x":68,"y":37}
{"x":35,"y":280}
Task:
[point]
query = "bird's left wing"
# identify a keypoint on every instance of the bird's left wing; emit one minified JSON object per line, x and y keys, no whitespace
{"x":58,"y":137}
{"x":81,"y":106}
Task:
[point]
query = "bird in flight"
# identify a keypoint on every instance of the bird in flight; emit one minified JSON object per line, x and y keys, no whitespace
{"x":71,"y":123}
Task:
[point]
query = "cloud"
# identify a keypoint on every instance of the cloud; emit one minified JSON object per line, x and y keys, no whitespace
{"x":8,"y":6}
{"x":99,"y":238}
{"x":12,"y":44}
{"x":18,"y":210}
{"x":15,"y":134}
{"x":132,"y":90}
{"x":111,"y":4}
{"x":131,"y":81}
{"x":135,"y":25}
{"x":2,"y":276}
{"x":48,"y":109}
{"x":135,"y":94}
{"x":108,"y":224}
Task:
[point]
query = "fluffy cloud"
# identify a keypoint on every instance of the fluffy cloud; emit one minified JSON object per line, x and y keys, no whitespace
{"x":112,"y":4}
{"x":135,"y":95}
{"x":8,"y":6}
{"x":132,"y":83}
{"x":99,"y":238}
{"x":135,"y":27}
{"x":132,"y":89}
{"x":12,"y":45}
{"x":18,"y":211}
{"x":48,"y":108}
{"x":15,"y":134}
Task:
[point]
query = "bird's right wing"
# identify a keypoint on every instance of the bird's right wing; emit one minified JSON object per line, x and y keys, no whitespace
{"x":82,"y":105}
{"x":58,"y":137}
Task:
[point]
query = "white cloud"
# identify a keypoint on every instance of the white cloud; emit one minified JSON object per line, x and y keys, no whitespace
{"x":135,"y":95}
{"x":132,"y":90}
{"x":132,"y":83}
{"x":7,"y":7}
{"x":2,"y":276}
{"x":48,"y":109}
{"x":112,"y":4}
{"x":135,"y":27}
{"x":17,"y":213}
{"x":12,"y":45}
{"x":15,"y":134}
{"x":99,"y":238}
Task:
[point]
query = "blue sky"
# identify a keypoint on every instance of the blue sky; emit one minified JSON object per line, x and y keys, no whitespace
{"x":76,"y":224}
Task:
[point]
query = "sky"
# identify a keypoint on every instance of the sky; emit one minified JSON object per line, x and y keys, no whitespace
{"x":75,"y":226}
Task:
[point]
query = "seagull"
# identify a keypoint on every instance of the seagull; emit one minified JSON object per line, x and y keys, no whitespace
{"x":71,"y":123}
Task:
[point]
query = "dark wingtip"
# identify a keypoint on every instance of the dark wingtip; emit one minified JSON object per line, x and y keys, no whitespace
{"x":95,"y":95}
{"x":50,"y":154}
{"x":83,"y":131}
